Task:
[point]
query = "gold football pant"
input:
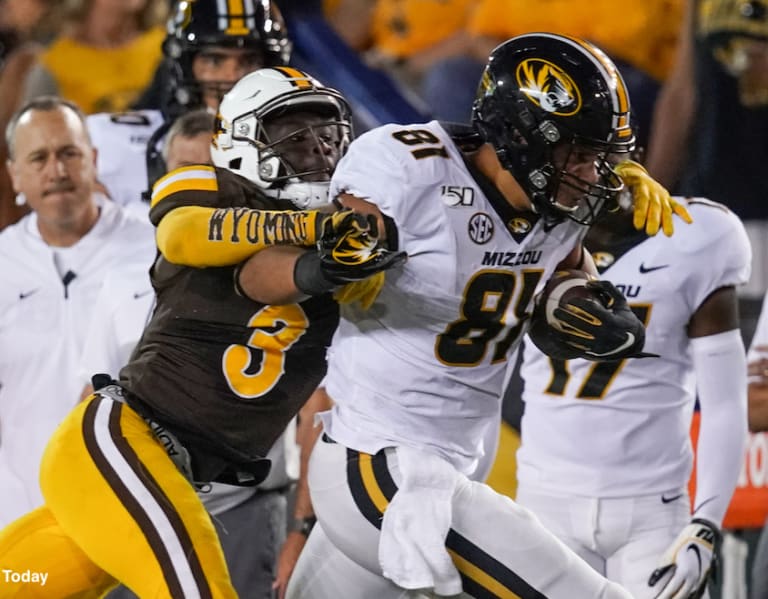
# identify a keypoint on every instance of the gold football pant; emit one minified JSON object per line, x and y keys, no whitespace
{"x":116,"y":509}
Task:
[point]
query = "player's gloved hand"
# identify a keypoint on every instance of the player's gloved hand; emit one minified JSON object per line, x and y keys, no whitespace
{"x":365,"y":292}
{"x":599,"y":328}
{"x":653,"y":206}
{"x":348,"y":250}
{"x":331,"y":226}
{"x":686,"y":566}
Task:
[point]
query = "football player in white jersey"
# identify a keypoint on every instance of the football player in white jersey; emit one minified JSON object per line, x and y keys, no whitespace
{"x":53,"y":261}
{"x":485,"y":217}
{"x":210,"y":45}
{"x":606,"y":451}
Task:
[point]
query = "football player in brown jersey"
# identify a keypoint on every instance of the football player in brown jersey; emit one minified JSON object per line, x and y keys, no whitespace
{"x":218,"y":374}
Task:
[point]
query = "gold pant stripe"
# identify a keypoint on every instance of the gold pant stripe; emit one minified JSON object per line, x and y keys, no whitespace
{"x":482,"y":576}
{"x":144,"y":500}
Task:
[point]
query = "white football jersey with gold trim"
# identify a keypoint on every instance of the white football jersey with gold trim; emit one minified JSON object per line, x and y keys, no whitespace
{"x":450,"y":317}
{"x":121,"y":140}
{"x":623,"y":428}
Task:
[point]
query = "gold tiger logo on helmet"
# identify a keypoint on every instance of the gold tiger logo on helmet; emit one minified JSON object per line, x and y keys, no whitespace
{"x":548,"y":86}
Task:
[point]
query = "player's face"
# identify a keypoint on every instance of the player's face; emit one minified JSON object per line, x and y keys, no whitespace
{"x":218,"y":68}
{"x":186,"y":151}
{"x":54,"y":166}
{"x":308,"y":143}
{"x":580,"y":166}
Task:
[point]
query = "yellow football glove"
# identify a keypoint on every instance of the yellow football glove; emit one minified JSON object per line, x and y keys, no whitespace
{"x":365,"y":291}
{"x":653,"y":204}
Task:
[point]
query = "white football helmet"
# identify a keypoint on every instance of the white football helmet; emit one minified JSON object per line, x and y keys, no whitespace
{"x":289,"y":157}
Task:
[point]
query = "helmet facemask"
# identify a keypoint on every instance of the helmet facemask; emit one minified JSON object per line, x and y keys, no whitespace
{"x":297,"y":164}
{"x":285,"y":132}
{"x":594,"y":194}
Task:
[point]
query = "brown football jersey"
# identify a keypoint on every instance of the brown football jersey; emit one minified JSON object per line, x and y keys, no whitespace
{"x":225,"y":373}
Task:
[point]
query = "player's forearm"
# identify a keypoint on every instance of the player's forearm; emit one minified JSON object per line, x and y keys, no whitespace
{"x":307,"y":435}
{"x":204,"y":237}
{"x":268,"y":276}
{"x":720,"y":366}
{"x":579,"y":259}
{"x":757,"y":407}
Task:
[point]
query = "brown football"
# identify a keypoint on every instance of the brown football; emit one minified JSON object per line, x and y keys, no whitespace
{"x":563,"y":286}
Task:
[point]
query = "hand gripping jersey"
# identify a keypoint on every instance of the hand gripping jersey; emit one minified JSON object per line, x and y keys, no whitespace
{"x":122,"y":139}
{"x":222,"y":372}
{"x":425,"y":366}
{"x":622,"y":428}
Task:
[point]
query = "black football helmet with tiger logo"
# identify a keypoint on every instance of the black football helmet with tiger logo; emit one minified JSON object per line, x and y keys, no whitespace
{"x":541,"y":90}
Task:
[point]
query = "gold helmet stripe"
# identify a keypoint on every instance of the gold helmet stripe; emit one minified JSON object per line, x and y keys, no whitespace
{"x":621,"y":99}
{"x":236,"y":24}
{"x":298,"y":78}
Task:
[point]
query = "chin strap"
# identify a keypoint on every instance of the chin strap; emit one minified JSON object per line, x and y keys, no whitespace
{"x":305,"y":196}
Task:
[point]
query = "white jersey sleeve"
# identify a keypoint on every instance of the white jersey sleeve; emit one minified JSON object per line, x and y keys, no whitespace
{"x":623,"y":428}
{"x":121,"y":143}
{"x":393,"y":166}
{"x":724,"y":250}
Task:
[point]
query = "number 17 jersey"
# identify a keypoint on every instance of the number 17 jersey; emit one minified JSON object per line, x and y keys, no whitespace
{"x":621,"y":428}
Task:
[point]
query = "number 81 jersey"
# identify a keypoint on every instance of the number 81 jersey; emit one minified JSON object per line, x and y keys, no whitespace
{"x":426,"y":364}
{"x":612,"y":429}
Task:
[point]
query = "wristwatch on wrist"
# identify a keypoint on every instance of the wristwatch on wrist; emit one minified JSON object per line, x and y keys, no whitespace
{"x":303,"y":525}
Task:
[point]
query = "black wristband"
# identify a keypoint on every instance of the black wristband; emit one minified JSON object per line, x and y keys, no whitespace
{"x":303,"y":525}
{"x":309,"y":277}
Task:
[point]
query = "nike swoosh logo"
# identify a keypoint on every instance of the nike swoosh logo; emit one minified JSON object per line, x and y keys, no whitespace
{"x":140,"y":294}
{"x":695,"y":549}
{"x":670,"y":499}
{"x":646,"y":269}
{"x":628,"y":343}
{"x":28,"y":293}
{"x":703,"y":503}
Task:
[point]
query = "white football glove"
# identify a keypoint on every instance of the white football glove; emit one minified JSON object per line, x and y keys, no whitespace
{"x":684,"y":568}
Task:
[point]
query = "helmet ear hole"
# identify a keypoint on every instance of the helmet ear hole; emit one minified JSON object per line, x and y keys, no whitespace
{"x":171,"y":48}
{"x":235,"y":164}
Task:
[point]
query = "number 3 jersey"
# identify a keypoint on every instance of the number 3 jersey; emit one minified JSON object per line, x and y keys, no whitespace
{"x":224,"y":373}
{"x":426,"y":364}
{"x":622,"y":428}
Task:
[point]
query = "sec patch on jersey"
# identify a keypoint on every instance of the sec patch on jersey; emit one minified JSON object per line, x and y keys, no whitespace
{"x":579,"y":316}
